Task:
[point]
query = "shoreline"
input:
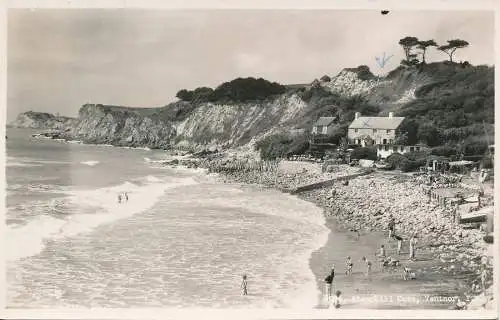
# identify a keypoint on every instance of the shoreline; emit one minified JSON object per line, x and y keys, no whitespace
{"x":456,"y":263}
{"x":449,"y":252}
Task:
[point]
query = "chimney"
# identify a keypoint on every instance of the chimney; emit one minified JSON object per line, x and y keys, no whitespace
{"x":390,"y":115}
{"x":357,"y":114}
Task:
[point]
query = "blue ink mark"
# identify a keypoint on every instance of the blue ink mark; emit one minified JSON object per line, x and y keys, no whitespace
{"x":383,"y":61}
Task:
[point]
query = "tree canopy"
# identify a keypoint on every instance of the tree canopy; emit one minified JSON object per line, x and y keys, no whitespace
{"x":237,"y":90}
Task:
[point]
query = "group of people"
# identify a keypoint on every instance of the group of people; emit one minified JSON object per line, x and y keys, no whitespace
{"x":122,"y":196}
{"x":385,"y":262}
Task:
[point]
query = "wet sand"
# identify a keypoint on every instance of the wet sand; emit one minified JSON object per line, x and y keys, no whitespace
{"x":433,"y":288}
{"x":447,"y":257}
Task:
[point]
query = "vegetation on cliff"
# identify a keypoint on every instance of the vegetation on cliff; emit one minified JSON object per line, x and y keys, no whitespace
{"x":237,"y":90}
{"x":452,"y":109}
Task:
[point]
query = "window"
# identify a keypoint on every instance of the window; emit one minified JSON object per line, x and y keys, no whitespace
{"x":374,"y":130}
{"x":388,"y":131}
{"x":384,"y":141}
{"x":412,"y":149}
{"x":402,"y":149}
{"x":391,"y":141}
{"x":380,"y":147}
{"x":395,"y":149}
{"x":356,"y":130}
{"x":325,"y":129}
{"x":319,"y":129}
{"x":418,"y":148}
{"x":386,"y":148}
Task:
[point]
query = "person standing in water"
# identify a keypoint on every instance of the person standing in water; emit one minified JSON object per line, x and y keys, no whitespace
{"x":413,"y":242}
{"x":368,"y":266}
{"x":349,"y":266}
{"x":400,"y":243}
{"x":244,"y":285}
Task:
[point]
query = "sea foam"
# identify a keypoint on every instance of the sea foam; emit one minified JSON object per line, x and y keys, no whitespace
{"x":30,"y":239}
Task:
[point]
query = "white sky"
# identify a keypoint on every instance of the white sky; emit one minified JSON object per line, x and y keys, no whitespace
{"x":59,"y":59}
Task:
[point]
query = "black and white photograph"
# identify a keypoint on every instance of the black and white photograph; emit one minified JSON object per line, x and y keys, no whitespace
{"x":232,"y":159}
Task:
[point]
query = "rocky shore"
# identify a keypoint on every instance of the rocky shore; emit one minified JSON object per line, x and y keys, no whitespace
{"x":453,"y":254}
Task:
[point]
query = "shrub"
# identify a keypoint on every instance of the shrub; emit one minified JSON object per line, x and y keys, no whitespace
{"x":409,"y":165}
{"x":369,"y":153}
{"x":445,"y":151}
{"x":411,"y":161}
{"x":326,"y":78}
{"x":237,"y":90}
{"x":395,"y":160}
{"x":282,"y":145}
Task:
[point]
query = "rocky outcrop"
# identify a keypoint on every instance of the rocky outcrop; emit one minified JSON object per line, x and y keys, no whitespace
{"x":102,"y":124}
{"x":42,"y":120}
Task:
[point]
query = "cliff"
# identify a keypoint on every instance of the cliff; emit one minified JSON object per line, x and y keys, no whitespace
{"x":216,"y":124}
{"x":42,"y":120}
{"x":119,"y":126}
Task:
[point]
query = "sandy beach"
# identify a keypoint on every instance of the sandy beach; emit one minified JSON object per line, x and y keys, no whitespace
{"x":448,"y":257}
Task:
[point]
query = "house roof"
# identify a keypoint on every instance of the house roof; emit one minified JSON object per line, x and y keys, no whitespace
{"x":324,"y":121}
{"x":376,"y":123}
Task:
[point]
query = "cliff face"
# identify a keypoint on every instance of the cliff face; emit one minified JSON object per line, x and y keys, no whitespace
{"x":103,"y":125}
{"x":219,"y":125}
{"x":42,"y":120}
{"x":389,"y":92}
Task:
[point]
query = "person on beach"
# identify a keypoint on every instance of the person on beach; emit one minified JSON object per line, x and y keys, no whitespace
{"x":391,"y":226}
{"x":126,"y":197}
{"x":368,"y":266}
{"x":413,"y":242}
{"x":119,"y":198}
{"x":328,"y":284}
{"x":244,"y":285}
{"x":336,"y":300}
{"x":400,"y":243}
{"x":381,"y":251}
{"x":349,"y":266}
{"x":381,"y":255}
{"x":357,"y":233}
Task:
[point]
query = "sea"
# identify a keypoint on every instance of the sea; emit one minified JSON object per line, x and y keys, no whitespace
{"x":181,"y":240}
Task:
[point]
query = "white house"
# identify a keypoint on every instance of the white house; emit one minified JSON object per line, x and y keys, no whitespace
{"x":379,"y":132}
{"x":324,"y":125}
{"x":373,"y":130}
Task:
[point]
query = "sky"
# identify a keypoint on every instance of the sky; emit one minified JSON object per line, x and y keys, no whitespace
{"x":60,"y":59}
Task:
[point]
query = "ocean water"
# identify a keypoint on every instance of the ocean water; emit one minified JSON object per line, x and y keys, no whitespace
{"x":182,"y":240}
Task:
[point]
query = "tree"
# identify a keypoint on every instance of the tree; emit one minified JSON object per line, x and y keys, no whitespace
{"x":408,"y":43}
{"x":423,"y":45}
{"x":407,"y":132}
{"x":401,"y":138}
{"x":326,"y":78}
{"x":430,"y":134}
{"x":452,"y":46}
{"x":185,"y":95}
